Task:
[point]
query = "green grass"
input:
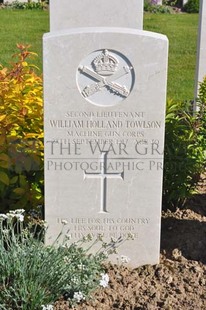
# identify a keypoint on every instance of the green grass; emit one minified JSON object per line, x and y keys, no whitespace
{"x":181,"y":30}
{"x":27,"y":27}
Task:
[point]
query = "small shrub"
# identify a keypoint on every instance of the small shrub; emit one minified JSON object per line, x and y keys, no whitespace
{"x":185,"y":150}
{"x":176,"y":3}
{"x":21,"y":135}
{"x":201,"y":117}
{"x":192,"y":6}
{"x":152,"y":7}
{"x":33,"y":274}
{"x":27,"y":5}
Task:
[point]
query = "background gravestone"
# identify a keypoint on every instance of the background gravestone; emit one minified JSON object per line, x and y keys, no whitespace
{"x":104,"y":93}
{"x":92,"y":13}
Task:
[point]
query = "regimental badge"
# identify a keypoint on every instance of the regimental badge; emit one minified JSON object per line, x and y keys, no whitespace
{"x":105,"y":77}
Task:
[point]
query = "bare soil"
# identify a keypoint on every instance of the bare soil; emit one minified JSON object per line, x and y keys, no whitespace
{"x":178,"y":282}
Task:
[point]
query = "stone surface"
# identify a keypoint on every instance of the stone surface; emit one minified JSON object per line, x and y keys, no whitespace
{"x":104,"y":92}
{"x":201,"y":47}
{"x":92,"y":13}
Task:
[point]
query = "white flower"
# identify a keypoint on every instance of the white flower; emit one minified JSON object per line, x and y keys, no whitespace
{"x":75,"y":280}
{"x":20,"y":217}
{"x":81,"y":266}
{"x":106,"y":254}
{"x":100,"y":237}
{"x":13,"y":212}
{"x":87,"y":238}
{"x":43,"y":224}
{"x":104,"y":280}
{"x":47,"y":307}
{"x":5,"y":232}
{"x":78,"y":296}
{"x":130,"y":236}
{"x":19,"y":211}
{"x":124,"y":259}
{"x":64,"y":222}
{"x":67,"y":259}
{"x":114,"y":240}
{"x":18,"y":214}
{"x":68,"y":236}
{"x":3,"y":217}
{"x":10,"y":215}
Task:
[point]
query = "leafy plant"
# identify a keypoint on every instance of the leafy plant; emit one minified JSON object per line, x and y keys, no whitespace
{"x":21,"y":135}
{"x":172,"y":2}
{"x":185,"y":151}
{"x":201,"y":116}
{"x":30,"y":5}
{"x":33,"y":274}
{"x":153,"y":7}
{"x":192,"y":6}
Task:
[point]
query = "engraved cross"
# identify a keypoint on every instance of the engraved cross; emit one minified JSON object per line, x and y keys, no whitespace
{"x":103,"y":175}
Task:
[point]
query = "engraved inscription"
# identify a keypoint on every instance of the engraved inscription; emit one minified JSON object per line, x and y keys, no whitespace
{"x":107,"y":227}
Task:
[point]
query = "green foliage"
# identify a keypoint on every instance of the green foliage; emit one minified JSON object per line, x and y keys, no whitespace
{"x":21,"y":135}
{"x":33,"y":274}
{"x":27,"y":5}
{"x":152,"y":7}
{"x":192,"y":6}
{"x":202,"y":96}
{"x":201,"y":121}
{"x":185,"y":150}
{"x":176,"y":3}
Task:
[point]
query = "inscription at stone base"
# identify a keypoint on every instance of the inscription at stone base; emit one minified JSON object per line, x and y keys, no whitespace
{"x":107,"y":227}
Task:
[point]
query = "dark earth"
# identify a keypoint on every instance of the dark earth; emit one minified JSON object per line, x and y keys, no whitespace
{"x":178,"y":282}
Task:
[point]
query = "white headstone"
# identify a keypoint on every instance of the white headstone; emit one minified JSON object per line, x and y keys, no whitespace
{"x":92,"y":13}
{"x":104,"y":94}
{"x":201,"y":47}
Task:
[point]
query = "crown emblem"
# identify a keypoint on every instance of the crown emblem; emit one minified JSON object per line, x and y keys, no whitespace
{"x":105,"y":64}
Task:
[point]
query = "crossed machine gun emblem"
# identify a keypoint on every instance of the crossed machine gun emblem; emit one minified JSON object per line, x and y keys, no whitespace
{"x":105,"y":73}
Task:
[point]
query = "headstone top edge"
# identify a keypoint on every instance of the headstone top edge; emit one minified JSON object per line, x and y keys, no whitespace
{"x":121,"y":30}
